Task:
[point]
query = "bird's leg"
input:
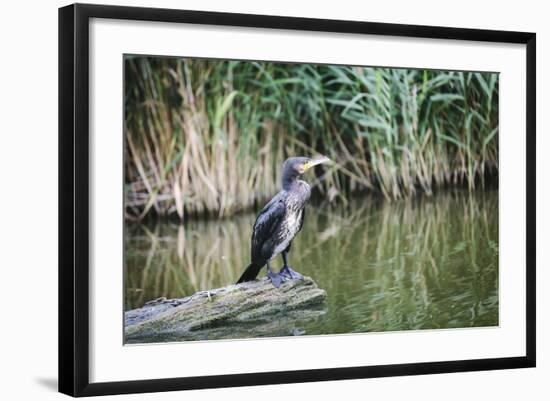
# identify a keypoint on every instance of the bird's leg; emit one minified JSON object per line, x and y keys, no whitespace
{"x":275,"y":278}
{"x":287,"y":270}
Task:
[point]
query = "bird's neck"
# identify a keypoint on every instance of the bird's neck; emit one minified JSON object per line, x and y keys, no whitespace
{"x":290,"y":180}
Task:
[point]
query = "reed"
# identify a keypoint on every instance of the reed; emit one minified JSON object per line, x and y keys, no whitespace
{"x":209,"y":136}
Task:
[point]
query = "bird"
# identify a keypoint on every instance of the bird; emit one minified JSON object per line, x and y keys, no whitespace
{"x":280,"y":221}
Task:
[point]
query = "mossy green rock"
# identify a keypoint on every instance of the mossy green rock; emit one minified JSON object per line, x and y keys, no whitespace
{"x":251,"y":309}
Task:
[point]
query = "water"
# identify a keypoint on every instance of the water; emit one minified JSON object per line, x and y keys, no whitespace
{"x":425,"y":263}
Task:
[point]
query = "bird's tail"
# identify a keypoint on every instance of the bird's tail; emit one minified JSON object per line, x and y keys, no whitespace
{"x":250,"y":273}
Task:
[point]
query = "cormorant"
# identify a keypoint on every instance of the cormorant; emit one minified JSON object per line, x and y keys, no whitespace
{"x":279,"y":222}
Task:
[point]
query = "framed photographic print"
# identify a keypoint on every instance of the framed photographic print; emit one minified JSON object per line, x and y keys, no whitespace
{"x":251,"y":199}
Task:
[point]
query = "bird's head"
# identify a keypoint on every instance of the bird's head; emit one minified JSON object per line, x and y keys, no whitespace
{"x":295,"y":166}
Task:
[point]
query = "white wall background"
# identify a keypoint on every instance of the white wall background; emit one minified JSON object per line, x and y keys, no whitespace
{"x":28,"y":200}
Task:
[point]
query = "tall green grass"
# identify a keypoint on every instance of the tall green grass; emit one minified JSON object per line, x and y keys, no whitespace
{"x":209,"y":136}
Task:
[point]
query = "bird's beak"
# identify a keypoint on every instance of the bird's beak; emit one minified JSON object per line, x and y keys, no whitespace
{"x":315,"y":161}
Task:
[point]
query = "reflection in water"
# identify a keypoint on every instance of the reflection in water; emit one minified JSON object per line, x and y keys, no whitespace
{"x":413,"y":264}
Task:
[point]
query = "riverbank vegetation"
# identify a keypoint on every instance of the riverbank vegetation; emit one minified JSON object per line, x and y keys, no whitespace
{"x":210,"y":136}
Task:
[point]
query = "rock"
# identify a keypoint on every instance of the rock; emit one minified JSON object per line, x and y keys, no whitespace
{"x":251,"y":309}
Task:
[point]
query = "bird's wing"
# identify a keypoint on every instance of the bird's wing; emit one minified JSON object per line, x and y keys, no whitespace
{"x":266,"y":223}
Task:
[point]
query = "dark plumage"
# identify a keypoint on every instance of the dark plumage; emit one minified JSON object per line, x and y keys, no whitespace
{"x":279,"y":222}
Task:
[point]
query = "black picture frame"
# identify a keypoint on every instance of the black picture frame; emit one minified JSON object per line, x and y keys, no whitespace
{"x":74,"y":198}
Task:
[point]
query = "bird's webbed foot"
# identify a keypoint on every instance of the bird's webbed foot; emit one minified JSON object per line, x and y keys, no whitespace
{"x":275,"y":278}
{"x":288,"y":272}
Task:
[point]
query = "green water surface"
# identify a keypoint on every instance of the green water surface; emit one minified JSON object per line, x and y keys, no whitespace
{"x":423,"y":263}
